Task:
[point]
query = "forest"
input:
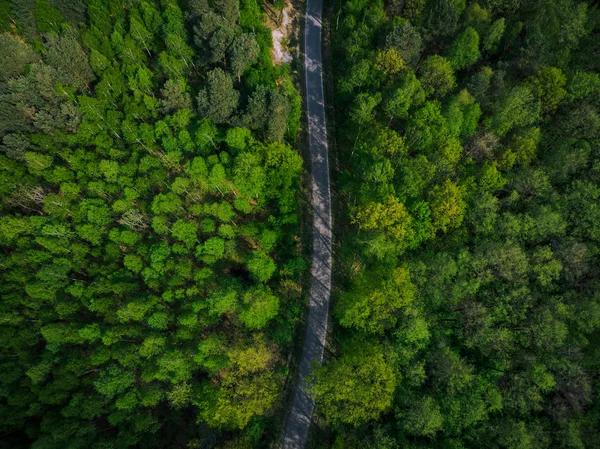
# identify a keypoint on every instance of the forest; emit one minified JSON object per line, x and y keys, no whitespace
{"x":149,"y":224}
{"x":467,"y":313}
{"x":152,"y":246}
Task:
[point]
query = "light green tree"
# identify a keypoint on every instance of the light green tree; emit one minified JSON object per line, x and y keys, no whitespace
{"x":357,"y":386}
{"x":437,"y":76}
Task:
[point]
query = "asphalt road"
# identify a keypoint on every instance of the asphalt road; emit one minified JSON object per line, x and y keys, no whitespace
{"x":300,"y":415}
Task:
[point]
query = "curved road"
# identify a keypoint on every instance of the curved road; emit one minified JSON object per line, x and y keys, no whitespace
{"x":299,"y":418}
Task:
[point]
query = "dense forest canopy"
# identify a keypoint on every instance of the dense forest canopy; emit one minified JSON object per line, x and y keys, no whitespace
{"x":149,"y":223}
{"x":468,"y":138}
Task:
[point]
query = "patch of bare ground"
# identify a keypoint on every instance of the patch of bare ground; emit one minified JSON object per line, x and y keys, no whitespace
{"x":283,"y":24}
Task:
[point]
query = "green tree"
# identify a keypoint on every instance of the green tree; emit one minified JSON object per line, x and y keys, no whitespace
{"x":465,"y":49}
{"x":447,"y":206}
{"x":261,"y":266}
{"x":356,"y":387}
{"x":494,"y":35}
{"x":15,"y":56}
{"x":389,"y":61}
{"x":437,"y":76}
{"x":363,"y":110}
{"x":424,"y":418}
{"x":260,"y":307}
{"x":219,"y":99}
{"x":517,"y":107}
{"x":244,"y":52}
{"x":548,"y":86}
{"x":175,"y":96}
{"x":442,"y":17}
{"x":279,"y":109}
{"x":65,"y":54}
{"x":373,"y":302}
{"x":409,"y":93}
{"x":247,"y":389}
{"x":391,"y":218}
{"x":186,"y":231}
{"x":406,"y":41}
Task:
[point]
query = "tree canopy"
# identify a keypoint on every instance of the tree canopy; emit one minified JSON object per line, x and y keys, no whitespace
{"x":151,"y":271}
{"x":467,"y":137}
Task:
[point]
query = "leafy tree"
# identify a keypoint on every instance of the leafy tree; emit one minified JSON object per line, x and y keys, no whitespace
{"x":363,"y":110}
{"x":465,"y":49}
{"x":260,"y":306}
{"x":525,"y":144}
{"x":406,"y":41}
{"x":517,"y":107}
{"x":15,"y":56}
{"x":219,"y":99}
{"x":582,"y":84}
{"x":356,"y":387}
{"x":437,"y":76}
{"x":228,"y":9}
{"x":548,"y":86}
{"x":389,"y":61}
{"x":410,"y":93}
{"x":494,"y":35}
{"x":248,"y":388}
{"x":477,"y":17}
{"x":480,"y":83}
{"x":424,"y":418}
{"x":390,"y":217}
{"x":175,"y":96}
{"x":373,"y":302}
{"x":65,"y":54}
{"x":447,"y":206}
{"x":261,"y":266}
{"x":185,"y":231}
{"x":442,"y":17}
{"x":244,"y":52}
{"x":277,"y":118}
{"x":257,"y":110}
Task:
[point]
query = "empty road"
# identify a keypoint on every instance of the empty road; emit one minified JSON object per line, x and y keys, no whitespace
{"x":299,"y":418}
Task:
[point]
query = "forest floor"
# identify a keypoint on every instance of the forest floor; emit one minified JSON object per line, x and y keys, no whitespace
{"x":283,"y":29}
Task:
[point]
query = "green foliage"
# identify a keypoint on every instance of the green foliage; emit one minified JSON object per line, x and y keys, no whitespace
{"x":261,"y":266}
{"x":47,"y":18}
{"x":467,"y":250}
{"x":447,"y":206}
{"x":65,"y":54}
{"x":373,"y":301}
{"x":390,"y":221}
{"x":141,"y":232}
{"x":442,"y":17}
{"x":260,"y":306}
{"x":494,"y":35}
{"x":356,"y":387}
{"x":113,"y":381}
{"x":409,"y":93}
{"x":15,"y":56}
{"x":437,"y":76}
{"x":406,"y":41}
{"x":517,"y":107}
{"x":465,"y":49}
{"x":185,"y":231}
{"x":548,"y":86}
{"x":219,"y":99}
{"x":248,"y":388}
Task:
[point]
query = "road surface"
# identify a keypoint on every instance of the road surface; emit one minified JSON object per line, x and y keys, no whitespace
{"x":299,"y":418}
